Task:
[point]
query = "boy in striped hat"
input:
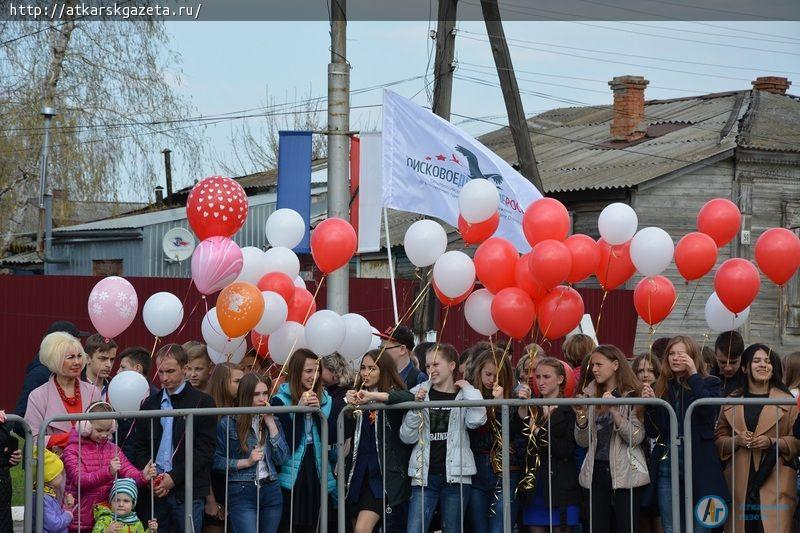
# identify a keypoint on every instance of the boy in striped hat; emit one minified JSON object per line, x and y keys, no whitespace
{"x":118,"y":515}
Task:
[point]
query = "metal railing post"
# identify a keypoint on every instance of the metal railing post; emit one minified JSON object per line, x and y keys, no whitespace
{"x":27,"y":466}
{"x":323,"y":485}
{"x":506,"y":470}
{"x":340,"y":480}
{"x":188,"y":482}
{"x":675,"y":476}
{"x":40,"y":440}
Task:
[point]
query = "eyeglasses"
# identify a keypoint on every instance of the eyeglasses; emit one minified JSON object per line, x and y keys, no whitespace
{"x":388,"y":347}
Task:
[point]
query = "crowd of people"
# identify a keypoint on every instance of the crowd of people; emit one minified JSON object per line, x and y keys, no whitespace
{"x":598,"y":468}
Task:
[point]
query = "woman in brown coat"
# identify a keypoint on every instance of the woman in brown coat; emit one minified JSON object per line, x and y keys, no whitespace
{"x":763,"y":486}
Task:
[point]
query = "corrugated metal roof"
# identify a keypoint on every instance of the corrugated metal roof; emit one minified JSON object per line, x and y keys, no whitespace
{"x":571,"y":143}
{"x":773,"y":123}
{"x":27,"y":258}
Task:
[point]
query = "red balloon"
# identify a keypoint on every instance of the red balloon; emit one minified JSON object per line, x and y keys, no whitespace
{"x":259,"y":343}
{"x":778,"y":254}
{"x":737,"y":284}
{"x":585,"y":257}
{"x":513,"y":312}
{"x":495,"y":262}
{"x":720,"y":219}
{"x":302,"y":306}
{"x":654,"y":298}
{"x":333,"y":243}
{"x":570,"y":381}
{"x":217,"y":206}
{"x":480,"y":231}
{"x":525,"y":280}
{"x":280,"y":283}
{"x":450,"y":302}
{"x":551,"y":262}
{"x":546,"y":218}
{"x":560,"y":312}
{"x":615,"y":266}
{"x":695,"y":255}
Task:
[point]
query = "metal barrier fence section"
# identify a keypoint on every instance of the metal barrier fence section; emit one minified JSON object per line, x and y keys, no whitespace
{"x":689,"y":506}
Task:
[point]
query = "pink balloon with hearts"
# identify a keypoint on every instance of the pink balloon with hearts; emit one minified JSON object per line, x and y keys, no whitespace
{"x":112,"y":306}
{"x":216,"y":263}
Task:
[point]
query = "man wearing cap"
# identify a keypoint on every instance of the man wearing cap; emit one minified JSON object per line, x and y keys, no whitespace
{"x":399,"y":343}
{"x":37,"y":374}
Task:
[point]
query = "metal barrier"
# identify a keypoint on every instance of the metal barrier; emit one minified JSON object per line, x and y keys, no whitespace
{"x":27,"y":465}
{"x":188,"y":450}
{"x":687,"y":428}
{"x":505,"y":405}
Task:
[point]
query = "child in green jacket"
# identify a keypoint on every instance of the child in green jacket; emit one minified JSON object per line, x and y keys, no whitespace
{"x":119,"y":516}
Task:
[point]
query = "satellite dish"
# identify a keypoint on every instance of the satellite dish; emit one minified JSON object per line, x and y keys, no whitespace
{"x":178,"y":244}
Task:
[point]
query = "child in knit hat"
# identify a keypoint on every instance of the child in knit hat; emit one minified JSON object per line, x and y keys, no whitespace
{"x":118,"y":516}
{"x":57,"y":515}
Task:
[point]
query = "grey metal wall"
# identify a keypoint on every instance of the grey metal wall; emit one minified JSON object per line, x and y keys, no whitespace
{"x":145,"y":257}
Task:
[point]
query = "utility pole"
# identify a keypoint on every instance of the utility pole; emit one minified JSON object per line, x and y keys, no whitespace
{"x":168,"y":174}
{"x":44,"y":234}
{"x":425,"y":319}
{"x":338,"y":145}
{"x":508,"y":84}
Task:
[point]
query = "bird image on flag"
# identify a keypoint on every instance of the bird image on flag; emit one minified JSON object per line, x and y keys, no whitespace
{"x":426,"y":161}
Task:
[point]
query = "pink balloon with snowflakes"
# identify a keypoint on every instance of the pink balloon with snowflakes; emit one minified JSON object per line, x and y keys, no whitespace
{"x":216,"y":207}
{"x":112,"y":306}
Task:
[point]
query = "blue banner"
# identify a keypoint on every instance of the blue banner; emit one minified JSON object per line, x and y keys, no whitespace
{"x":294,"y":178}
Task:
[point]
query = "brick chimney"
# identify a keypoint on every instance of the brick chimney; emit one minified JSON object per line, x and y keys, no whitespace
{"x":772,"y":84}
{"x":627,"y":124}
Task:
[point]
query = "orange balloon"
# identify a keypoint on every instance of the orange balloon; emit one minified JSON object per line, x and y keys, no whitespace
{"x":239,"y":308}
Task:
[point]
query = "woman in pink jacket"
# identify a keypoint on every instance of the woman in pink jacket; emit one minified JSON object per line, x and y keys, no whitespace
{"x":93,"y":461}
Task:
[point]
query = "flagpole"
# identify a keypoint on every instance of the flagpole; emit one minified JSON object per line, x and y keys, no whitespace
{"x":391,"y":264}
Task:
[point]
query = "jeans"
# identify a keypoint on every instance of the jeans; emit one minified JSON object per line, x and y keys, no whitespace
{"x":245,"y":500}
{"x":169,"y":511}
{"x":447,"y":496}
{"x":485,"y":510}
{"x":664,"y":491}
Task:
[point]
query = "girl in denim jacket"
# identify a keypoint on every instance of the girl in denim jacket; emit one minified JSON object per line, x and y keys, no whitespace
{"x":252,"y":448}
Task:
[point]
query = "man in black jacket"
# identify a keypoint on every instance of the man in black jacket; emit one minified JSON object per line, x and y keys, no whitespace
{"x":728,"y":349}
{"x":166,"y":445}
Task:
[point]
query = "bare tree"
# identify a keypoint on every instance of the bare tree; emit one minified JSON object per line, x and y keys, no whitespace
{"x":113,"y":86}
{"x":255,"y":148}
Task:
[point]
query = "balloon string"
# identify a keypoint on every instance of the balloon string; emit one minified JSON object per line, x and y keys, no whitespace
{"x":672,"y":307}
{"x":691,"y":299}
{"x":291,"y":350}
{"x":558,"y":303}
{"x":600,"y":313}
{"x":439,"y":334}
{"x":502,"y":361}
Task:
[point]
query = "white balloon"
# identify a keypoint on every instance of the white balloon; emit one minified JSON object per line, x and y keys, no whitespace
{"x":127,"y":391}
{"x":478,"y":312}
{"x":651,"y":251}
{"x":275,"y":311}
{"x":718,"y":317}
{"x":299,"y":282}
{"x":376,"y":340}
{"x":285,"y":341}
{"x":357,"y":337}
{"x":325,"y":332}
{"x":617,"y":223}
{"x":234,"y":356}
{"x":454,"y":273}
{"x":280,"y":259}
{"x":254,"y":265}
{"x":285,"y":227}
{"x":214,"y":336}
{"x":478,"y":200}
{"x":162,"y":313}
{"x":424,"y":242}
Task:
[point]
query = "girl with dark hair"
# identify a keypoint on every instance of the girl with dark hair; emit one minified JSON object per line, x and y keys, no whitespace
{"x":749,"y":438}
{"x":486,"y":495}
{"x":791,"y":373}
{"x":379,"y":458}
{"x":615,"y":468}
{"x":684,"y":379}
{"x":300,"y":475}
{"x":442,"y":464}
{"x":250,"y":449}
{"x":556,"y":498}
{"x":647,"y":368}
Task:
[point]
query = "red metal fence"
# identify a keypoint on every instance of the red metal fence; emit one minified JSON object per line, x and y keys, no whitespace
{"x":29,"y":304}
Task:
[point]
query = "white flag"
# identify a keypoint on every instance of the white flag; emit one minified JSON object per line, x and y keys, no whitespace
{"x":369,"y":192}
{"x":426,"y":161}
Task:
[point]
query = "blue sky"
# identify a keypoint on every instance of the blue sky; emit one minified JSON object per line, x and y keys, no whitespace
{"x":233,"y":66}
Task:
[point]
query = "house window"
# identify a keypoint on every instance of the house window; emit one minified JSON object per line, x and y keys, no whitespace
{"x":791,"y":220}
{"x":107,"y":267}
